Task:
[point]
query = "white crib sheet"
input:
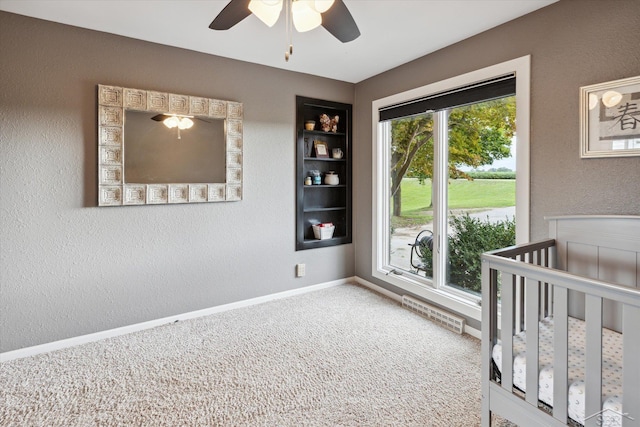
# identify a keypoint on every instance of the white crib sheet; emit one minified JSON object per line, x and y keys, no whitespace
{"x":611,"y":371}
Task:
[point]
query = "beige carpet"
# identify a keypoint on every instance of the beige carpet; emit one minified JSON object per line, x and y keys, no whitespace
{"x":342,"y":356}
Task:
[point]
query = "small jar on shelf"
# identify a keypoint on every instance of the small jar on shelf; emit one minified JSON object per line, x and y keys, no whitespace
{"x":316,"y":177}
{"x":330,"y":178}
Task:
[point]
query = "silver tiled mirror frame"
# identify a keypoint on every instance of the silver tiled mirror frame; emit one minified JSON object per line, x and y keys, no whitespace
{"x":114,"y":190}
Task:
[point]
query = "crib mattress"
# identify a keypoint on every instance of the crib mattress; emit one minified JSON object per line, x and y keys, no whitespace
{"x":611,"y":370}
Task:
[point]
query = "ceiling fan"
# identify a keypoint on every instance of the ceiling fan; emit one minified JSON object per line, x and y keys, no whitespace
{"x":181,"y":122}
{"x":304,"y":15}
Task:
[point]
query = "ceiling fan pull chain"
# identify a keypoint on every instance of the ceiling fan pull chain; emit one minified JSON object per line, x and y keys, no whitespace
{"x":289,"y":29}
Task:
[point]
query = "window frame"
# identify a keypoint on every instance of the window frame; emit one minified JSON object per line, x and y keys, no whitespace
{"x":462,"y":304}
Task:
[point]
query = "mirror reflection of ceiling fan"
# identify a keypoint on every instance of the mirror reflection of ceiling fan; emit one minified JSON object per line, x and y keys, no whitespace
{"x":173,"y":120}
{"x":177,"y":121}
{"x":304,"y":15}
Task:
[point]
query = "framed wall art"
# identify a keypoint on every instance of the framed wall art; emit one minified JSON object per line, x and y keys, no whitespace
{"x":610,"y":119}
{"x":321,"y":149}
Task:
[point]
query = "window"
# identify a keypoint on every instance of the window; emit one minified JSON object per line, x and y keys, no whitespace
{"x":450,"y":126}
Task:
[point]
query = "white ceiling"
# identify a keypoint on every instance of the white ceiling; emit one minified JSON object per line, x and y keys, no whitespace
{"x":393,"y":32}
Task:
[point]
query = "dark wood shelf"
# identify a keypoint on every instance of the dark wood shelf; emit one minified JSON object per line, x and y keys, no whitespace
{"x":316,"y":243}
{"x":323,"y":159}
{"x":322,"y":203}
{"x":323,"y":133}
{"x":337,"y":208}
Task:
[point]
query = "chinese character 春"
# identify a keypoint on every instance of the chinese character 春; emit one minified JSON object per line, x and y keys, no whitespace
{"x":627,"y":119}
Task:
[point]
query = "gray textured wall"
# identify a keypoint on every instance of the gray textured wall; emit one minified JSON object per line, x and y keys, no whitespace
{"x":69,"y":268}
{"x":572,"y":43}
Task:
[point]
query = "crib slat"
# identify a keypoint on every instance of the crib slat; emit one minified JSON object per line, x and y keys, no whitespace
{"x":631,"y":368}
{"x":543,"y":297}
{"x":533,"y":330}
{"x":548,"y":289}
{"x":537,"y":260}
{"x":489,"y":332}
{"x":560,"y":353}
{"x":593,"y":359}
{"x":507,"y":327}
{"x":521,"y":303}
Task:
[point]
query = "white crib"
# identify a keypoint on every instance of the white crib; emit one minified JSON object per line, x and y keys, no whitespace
{"x":535,"y":299}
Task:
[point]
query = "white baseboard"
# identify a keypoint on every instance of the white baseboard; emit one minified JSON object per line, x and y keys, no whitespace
{"x":378,"y":289}
{"x":84,"y":339}
{"x":473,"y":332}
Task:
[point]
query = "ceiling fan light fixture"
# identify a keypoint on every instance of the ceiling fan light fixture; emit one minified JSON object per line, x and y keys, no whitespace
{"x":337,"y":19}
{"x":268,"y":11}
{"x":185,"y":123}
{"x":305,"y":18}
{"x":321,"y":6}
{"x":171,"y":122}
{"x":179,"y":122}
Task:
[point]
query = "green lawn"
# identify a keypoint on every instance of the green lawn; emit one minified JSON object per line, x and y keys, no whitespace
{"x":463,"y":194}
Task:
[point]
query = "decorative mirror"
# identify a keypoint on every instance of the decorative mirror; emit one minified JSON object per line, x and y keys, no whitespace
{"x":158,"y":148}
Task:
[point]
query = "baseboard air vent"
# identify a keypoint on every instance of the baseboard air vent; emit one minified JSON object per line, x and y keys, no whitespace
{"x":439,"y":316}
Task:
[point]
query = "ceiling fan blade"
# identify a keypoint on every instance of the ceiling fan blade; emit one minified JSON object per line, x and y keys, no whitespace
{"x":162,"y":117}
{"x":339,"y":22}
{"x":232,"y":13}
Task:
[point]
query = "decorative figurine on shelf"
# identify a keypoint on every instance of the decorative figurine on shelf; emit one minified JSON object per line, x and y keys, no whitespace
{"x":329,"y":124}
{"x":334,"y":123}
{"x":325,"y":122}
{"x":316,"y":177}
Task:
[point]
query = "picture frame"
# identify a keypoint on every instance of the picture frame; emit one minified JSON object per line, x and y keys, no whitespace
{"x":610,"y":119}
{"x":321,"y":149}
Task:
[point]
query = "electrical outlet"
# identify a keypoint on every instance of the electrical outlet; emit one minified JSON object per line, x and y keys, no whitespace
{"x":300,"y":270}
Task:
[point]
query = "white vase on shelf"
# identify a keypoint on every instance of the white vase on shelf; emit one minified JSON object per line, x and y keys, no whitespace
{"x":331,"y":178}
